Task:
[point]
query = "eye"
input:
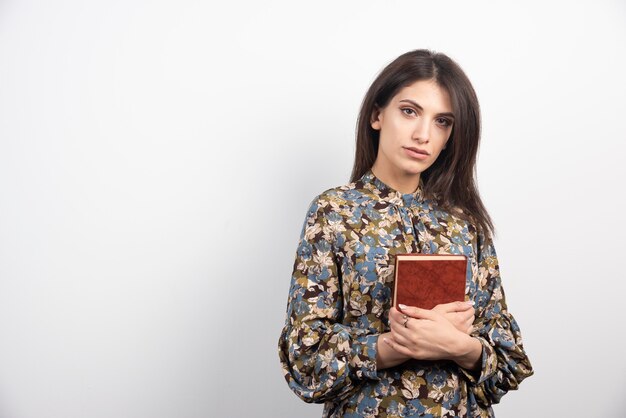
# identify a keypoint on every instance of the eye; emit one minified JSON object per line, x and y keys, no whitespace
{"x":445,"y":122}
{"x":408,"y":111}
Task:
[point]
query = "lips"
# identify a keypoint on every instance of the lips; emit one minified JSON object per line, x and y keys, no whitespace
{"x":417,"y":150}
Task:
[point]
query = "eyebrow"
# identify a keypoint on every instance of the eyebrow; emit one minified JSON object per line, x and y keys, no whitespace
{"x":414,"y":103}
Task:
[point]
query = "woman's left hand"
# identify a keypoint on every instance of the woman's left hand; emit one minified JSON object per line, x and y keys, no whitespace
{"x":425,"y":334}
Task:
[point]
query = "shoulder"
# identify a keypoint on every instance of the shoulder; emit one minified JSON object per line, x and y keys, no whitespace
{"x":340,"y":197}
{"x":456,"y":215}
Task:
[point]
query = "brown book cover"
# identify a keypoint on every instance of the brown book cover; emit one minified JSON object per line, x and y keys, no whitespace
{"x":427,"y":280}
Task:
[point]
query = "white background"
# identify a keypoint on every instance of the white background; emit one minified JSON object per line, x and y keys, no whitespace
{"x":157,"y":159}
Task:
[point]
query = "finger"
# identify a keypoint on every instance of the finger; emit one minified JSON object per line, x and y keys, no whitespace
{"x":394,"y":324}
{"x":457,"y":306}
{"x":405,"y":329}
{"x":396,"y":319}
{"x":397,"y":347}
{"x":401,"y":338}
{"x":401,"y":322}
{"x":419,"y":313}
{"x":469,"y":326}
{"x":395,"y":314}
{"x":467,"y":315}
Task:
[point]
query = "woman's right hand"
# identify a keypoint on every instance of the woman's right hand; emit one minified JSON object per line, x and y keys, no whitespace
{"x":460,"y":314}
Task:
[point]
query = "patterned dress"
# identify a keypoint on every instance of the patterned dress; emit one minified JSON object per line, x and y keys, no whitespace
{"x":340,"y":298}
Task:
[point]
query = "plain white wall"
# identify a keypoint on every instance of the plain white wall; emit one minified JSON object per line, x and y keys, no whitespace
{"x":157,"y":159}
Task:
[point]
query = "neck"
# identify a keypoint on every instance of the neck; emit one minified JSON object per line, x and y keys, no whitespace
{"x":402,"y":182}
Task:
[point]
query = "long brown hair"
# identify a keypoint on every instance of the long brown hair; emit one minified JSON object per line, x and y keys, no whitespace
{"x":451,"y":180}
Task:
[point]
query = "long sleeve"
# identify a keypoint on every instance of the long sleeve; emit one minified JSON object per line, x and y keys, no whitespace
{"x":341,"y":294}
{"x":504,"y":362}
{"x":322,"y":358}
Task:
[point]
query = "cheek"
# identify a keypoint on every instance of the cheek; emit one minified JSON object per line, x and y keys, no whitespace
{"x":442,"y":139}
{"x":443,"y":135}
{"x":391,"y":135}
{"x":386,"y":140}
{"x":436,"y":155}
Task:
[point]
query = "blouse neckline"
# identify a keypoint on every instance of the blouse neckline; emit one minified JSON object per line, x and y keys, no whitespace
{"x":388,"y":194}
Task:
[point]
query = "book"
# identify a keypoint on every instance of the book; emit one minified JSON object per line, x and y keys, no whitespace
{"x":427,"y":280}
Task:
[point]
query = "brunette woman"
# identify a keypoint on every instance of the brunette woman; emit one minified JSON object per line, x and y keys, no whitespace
{"x":413,"y":190}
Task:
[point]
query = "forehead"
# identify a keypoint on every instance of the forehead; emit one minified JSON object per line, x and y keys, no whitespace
{"x":428,"y":94}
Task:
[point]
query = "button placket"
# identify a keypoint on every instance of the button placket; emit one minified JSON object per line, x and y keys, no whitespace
{"x":408,"y":228}
{"x":421,"y":212}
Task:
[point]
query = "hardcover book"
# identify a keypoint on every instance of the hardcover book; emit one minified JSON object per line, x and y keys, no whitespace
{"x":427,"y":280}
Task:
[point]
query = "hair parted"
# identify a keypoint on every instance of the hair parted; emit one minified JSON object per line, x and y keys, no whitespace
{"x":451,"y":180}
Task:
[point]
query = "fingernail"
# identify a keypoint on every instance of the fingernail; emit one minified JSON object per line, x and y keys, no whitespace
{"x":470,"y":302}
{"x":401,"y":306}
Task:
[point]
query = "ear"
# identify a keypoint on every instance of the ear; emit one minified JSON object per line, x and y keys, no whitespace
{"x":376,"y":118}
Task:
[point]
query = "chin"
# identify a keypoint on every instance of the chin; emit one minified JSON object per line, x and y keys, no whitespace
{"x":413,"y":170}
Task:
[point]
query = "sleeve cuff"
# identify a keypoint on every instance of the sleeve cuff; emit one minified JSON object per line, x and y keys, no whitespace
{"x":489,"y":364}
{"x":363,"y":361}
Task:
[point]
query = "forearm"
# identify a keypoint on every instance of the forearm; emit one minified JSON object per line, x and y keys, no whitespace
{"x":468,"y":353}
{"x":386,"y":356}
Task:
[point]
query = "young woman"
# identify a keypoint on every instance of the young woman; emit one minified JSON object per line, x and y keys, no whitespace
{"x":412,"y":191}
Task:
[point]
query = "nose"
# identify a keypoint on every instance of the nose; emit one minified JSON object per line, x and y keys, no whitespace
{"x":421,"y":131}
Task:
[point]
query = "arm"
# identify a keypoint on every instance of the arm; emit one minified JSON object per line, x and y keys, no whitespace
{"x":504,"y":364}
{"x":421,"y":341}
{"x":425,"y":334}
{"x":492,"y":358}
{"x":322,"y":359}
{"x":387,"y":356}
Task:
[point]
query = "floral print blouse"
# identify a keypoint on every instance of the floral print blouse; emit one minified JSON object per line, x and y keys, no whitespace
{"x":339,"y":303}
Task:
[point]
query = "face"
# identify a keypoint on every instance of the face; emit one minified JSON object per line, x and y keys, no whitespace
{"x":414,"y":128}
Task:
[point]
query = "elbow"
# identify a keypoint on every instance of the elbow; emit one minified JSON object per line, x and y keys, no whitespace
{"x":507,"y":377}
{"x":312,"y":376}
{"x":326,"y":362}
{"x":318,"y":389}
{"x":317,"y":373}
{"x":313,"y":385}
{"x":503,"y":371}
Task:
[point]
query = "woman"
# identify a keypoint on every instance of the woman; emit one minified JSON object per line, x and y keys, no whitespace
{"x":412,"y":191}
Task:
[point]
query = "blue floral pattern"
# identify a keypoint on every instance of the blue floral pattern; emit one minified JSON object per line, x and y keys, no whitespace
{"x":340,"y":298}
